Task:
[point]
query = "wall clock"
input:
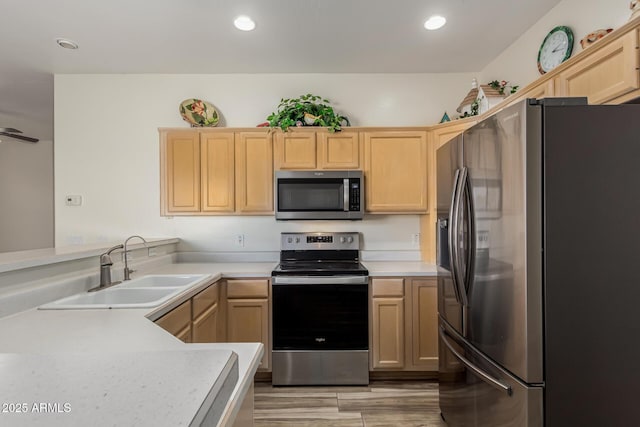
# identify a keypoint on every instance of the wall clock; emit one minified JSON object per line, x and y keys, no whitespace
{"x":555,"y":49}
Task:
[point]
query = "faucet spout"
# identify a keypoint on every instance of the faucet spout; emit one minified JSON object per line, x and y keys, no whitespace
{"x":105,"y":268}
{"x":127,"y":270}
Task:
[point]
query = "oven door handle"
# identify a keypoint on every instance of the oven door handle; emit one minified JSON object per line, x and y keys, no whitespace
{"x":320,"y":280}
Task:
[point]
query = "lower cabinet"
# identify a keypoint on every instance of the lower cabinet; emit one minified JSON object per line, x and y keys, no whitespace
{"x":404,"y":324}
{"x":195,"y":320}
{"x":248,"y":315}
{"x":205,"y":315}
{"x":233,"y":311}
{"x":387,"y":320}
{"x":178,"y":321}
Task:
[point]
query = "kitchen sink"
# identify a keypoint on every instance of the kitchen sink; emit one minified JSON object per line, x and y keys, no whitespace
{"x":115,"y":298}
{"x":163,"y":281}
{"x":143,"y":292}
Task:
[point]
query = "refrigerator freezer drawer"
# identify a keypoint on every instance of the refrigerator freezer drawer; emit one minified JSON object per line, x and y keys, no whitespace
{"x":480,"y":393}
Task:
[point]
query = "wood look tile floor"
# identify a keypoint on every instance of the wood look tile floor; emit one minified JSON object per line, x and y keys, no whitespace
{"x":382,"y":403}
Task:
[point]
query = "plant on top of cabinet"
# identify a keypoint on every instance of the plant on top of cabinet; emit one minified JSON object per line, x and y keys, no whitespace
{"x":307,"y":110}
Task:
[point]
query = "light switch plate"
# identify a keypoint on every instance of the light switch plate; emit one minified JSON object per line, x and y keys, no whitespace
{"x":73,"y":200}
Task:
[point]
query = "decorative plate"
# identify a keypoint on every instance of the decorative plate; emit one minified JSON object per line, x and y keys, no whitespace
{"x":198,"y":113}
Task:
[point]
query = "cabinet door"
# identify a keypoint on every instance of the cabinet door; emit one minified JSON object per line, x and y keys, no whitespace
{"x":605,"y":74}
{"x":425,"y":323}
{"x":295,"y":150}
{"x":388,"y":339}
{"x":254,"y":173}
{"x":204,"y":329}
{"x":180,"y":164}
{"x":178,"y":321}
{"x":339,"y":150}
{"x":248,"y":321}
{"x":218,"y":171}
{"x":388,"y":333}
{"x":396,"y":171}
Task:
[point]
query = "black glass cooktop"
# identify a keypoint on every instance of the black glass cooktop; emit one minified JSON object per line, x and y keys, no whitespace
{"x":319,"y":268}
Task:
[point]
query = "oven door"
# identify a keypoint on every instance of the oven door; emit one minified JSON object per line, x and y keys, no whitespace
{"x":320,"y":331}
{"x":320,"y":316}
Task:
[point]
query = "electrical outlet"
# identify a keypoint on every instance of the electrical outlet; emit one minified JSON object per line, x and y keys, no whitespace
{"x":240,"y":240}
{"x":153,"y":252}
{"x":128,"y":255}
{"x":415,"y":239}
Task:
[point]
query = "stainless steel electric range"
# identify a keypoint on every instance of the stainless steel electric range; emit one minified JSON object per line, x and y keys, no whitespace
{"x":320,"y":311}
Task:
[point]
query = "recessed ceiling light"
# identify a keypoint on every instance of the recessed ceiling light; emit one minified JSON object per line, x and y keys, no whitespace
{"x":244,"y":23}
{"x":435,"y":22}
{"x":67,"y":44}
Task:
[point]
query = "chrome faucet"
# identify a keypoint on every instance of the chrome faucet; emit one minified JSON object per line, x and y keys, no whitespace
{"x":105,"y":269}
{"x":127,"y":270}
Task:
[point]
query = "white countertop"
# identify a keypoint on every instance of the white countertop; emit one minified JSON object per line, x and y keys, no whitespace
{"x":105,"y":388}
{"x":127,"y":344}
{"x":131,"y":351}
{"x":400,"y":268}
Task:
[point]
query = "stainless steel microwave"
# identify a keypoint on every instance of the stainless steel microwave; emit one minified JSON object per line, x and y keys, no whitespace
{"x":319,"y":195}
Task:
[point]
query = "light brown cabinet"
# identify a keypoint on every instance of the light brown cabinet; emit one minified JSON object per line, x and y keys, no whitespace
{"x":387,"y":324}
{"x":205,"y":315}
{"x":217,"y":171}
{"x":178,"y":321}
{"x":607,"y":73}
{"x":395,"y":165}
{"x":180,"y":151}
{"x":248,"y":314}
{"x":317,"y":149}
{"x":195,"y":320}
{"x":254,"y":173}
{"x":404,"y":324}
{"x":424,"y":301}
{"x":207,"y":172}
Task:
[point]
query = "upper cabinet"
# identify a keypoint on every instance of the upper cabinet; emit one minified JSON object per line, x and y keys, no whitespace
{"x":180,"y":168}
{"x":295,"y":150}
{"x":606,"y":74}
{"x":395,"y":164}
{"x":339,"y":150}
{"x":217,"y":153}
{"x":317,"y":149}
{"x":254,"y":173}
{"x":206,"y":172}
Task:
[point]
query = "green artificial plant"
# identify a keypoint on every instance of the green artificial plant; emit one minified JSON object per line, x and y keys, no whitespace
{"x":307,"y":110}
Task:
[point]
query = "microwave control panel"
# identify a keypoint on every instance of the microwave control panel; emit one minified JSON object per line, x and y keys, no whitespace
{"x":354,"y":194}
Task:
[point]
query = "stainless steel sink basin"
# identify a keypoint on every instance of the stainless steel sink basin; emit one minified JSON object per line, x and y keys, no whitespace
{"x":115,"y":298}
{"x":163,"y":281}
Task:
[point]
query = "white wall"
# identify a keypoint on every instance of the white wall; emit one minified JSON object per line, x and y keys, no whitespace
{"x":26,"y":194}
{"x":107,"y":148}
{"x":517,"y":64}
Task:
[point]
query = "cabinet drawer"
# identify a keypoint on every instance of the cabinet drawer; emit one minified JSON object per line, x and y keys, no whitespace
{"x":248,"y":288}
{"x":205,"y":300}
{"x":387,"y":287}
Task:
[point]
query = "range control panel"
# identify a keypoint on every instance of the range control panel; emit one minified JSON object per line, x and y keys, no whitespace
{"x":319,"y":241}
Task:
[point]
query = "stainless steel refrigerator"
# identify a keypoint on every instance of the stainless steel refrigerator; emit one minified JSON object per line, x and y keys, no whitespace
{"x":538,"y":236}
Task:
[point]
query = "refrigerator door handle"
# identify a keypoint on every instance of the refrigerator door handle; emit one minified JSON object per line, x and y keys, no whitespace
{"x":459,"y":281}
{"x":482,"y":374}
{"x":471,"y":234}
{"x":451,"y":237}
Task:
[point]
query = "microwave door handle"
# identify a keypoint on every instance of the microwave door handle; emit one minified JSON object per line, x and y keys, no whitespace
{"x":452,"y":234}
{"x":346,"y":194}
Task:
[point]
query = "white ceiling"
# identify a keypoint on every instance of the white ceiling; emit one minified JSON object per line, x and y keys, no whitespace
{"x":197,"y":36}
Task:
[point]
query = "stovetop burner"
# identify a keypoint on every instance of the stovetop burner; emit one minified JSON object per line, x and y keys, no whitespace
{"x":320,"y":254}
